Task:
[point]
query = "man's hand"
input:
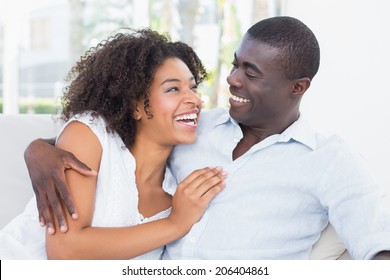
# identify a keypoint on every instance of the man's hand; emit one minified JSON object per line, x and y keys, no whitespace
{"x":46,"y":166}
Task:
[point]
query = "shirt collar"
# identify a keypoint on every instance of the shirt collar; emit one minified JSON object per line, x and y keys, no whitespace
{"x":301,"y":132}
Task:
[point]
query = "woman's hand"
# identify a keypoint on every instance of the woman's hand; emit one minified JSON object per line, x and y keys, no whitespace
{"x":193,"y":195}
{"x":46,"y":166}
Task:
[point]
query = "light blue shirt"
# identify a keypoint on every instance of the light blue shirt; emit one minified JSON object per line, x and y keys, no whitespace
{"x":280,"y":195}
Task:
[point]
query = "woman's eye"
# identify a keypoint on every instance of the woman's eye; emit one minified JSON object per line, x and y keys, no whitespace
{"x":172,"y":89}
{"x":194,"y":88}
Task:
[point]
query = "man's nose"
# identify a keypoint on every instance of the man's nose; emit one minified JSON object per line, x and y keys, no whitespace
{"x":234,"y":79}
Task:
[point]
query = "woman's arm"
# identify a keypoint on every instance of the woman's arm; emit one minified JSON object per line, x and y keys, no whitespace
{"x":85,"y":242}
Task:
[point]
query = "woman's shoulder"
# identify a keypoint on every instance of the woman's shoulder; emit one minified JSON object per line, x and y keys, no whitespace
{"x":90,"y":120}
{"x":82,"y":141}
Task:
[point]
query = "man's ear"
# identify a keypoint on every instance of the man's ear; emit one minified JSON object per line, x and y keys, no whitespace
{"x":300,"y":86}
{"x":137,"y":115}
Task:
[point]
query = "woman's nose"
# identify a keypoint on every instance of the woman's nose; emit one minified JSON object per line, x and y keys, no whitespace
{"x":193,"y":97}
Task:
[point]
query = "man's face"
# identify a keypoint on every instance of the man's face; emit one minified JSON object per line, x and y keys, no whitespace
{"x":261,"y":94}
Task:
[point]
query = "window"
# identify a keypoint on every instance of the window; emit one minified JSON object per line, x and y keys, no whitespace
{"x":48,"y":36}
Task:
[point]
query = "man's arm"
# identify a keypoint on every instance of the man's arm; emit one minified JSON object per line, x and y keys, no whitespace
{"x":384,"y":255}
{"x":46,"y":165}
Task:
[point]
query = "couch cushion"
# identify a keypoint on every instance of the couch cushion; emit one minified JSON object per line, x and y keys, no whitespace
{"x":329,"y":246}
{"x":17,"y":131}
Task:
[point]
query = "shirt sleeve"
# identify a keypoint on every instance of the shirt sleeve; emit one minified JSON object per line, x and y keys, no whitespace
{"x":356,"y":204}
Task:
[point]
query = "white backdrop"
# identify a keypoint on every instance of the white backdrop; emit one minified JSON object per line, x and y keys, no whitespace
{"x":350,"y":96}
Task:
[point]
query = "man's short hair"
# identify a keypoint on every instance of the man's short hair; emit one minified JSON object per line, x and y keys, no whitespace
{"x":298,"y":47}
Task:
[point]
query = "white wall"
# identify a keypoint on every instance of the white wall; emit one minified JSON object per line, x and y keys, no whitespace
{"x":350,"y":95}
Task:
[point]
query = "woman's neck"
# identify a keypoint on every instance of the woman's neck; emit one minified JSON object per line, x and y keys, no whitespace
{"x":151,"y":160}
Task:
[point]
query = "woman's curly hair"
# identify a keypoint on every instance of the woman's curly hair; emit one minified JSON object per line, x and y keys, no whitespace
{"x":113,"y":76}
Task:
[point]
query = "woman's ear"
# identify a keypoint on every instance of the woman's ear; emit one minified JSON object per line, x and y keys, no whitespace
{"x":137,"y":115}
{"x":300,"y":86}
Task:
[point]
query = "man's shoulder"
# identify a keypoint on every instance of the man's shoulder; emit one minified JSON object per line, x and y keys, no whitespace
{"x":332,"y":140}
{"x":337,"y":147}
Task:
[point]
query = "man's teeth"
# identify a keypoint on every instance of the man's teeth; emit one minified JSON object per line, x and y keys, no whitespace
{"x":240,"y":99}
{"x":186,"y":117}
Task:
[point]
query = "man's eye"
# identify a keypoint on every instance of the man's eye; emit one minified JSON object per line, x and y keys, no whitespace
{"x":249,"y":75}
{"x":234,"y":67}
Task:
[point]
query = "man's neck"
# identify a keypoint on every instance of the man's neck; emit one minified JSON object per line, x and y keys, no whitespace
{"x":254,"y":135}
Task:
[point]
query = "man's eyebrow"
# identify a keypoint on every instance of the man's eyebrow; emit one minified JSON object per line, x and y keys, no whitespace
{"x":175,"y":80}
{"x":249,"y":65}
{"x":252,"y":66}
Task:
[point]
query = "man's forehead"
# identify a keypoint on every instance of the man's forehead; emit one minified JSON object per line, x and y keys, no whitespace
{"x":254,"y":51}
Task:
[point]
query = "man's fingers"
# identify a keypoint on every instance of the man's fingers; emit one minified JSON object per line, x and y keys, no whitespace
{"x":63,"y":191}
{"x":57,"y":210}
{"x":42,"y":221}
{"x":73,"y":163}
{"x":43,"y":205}
{"x":47,"y":215}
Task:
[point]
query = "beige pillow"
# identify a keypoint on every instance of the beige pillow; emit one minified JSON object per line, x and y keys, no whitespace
{"x":329,"y":246}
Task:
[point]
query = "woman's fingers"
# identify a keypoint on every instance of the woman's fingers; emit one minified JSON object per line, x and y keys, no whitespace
{"x":205,"y":178}
{"x":210,"y":184}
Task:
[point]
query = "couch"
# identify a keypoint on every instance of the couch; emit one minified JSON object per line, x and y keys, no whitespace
{"x":15,"y":188}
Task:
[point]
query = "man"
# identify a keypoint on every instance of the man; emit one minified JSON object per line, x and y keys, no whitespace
{"x":285,"y":182}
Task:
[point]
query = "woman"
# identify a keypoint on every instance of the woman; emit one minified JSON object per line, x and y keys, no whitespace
{"x":131,"y":99}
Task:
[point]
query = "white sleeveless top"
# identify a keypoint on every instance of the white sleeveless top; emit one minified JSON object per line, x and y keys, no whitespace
{"x":116,"y":202}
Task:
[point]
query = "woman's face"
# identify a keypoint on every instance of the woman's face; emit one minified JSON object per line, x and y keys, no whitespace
{"x":174,"y":103}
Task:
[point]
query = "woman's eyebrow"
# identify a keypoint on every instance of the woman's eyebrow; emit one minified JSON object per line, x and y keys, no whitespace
{"x":176,"y":80}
